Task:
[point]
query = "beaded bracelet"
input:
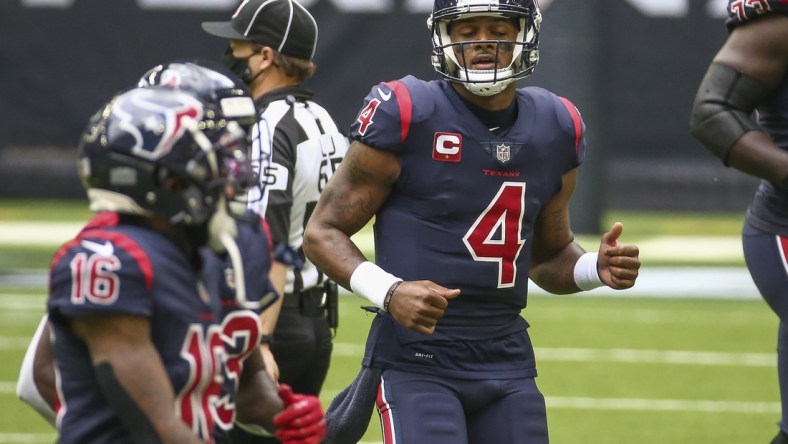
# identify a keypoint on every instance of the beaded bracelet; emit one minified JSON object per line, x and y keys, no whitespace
{"x":389,"y":294}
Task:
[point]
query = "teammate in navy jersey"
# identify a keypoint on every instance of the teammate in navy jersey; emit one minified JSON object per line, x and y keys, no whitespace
{"x":245,"y":260}
{"x":741,"y":115}
{"x":469,"y":180}
{"x":147,"y":338}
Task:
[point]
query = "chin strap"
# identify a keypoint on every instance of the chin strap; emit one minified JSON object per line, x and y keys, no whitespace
{"x":221,"y":224}
{"x":231,"y":247}
{"x":222,"y":234}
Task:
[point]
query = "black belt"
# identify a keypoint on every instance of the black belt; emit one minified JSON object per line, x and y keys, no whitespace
{"x":309,"y":301}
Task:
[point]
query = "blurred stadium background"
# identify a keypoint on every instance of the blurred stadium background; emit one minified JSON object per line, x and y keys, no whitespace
{"x":685,"y":357}
{"x":631,"y":66}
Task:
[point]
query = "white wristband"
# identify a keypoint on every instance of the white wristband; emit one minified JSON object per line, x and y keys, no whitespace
{"x":372,"y":282}
{"x":586,"y":273}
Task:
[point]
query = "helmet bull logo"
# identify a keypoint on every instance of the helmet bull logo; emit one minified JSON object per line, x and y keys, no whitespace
{"x":164,"y":122}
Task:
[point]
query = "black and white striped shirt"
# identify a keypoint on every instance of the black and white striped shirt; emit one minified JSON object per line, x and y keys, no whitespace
{"x":302,"y":147}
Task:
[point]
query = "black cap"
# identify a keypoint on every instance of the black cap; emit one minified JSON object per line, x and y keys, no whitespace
{"x":284,"y":25}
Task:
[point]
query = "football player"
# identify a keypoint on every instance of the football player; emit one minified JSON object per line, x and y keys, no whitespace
{"x":740,"y":114}
{"x":469,"y":180}
{"x":224,"y":273}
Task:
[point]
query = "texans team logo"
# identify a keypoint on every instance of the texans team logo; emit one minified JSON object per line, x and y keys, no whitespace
{"x":163,"y":124}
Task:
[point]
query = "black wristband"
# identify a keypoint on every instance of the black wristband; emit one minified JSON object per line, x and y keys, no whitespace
{"x":389,"y":294}
{"x":784,"y":182}
{"x":266,"y":339}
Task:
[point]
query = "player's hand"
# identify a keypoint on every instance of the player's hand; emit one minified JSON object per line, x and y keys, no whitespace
{"x":418,"y":305}
{"x":302,"y":421}
{"x":618,"y":262}
{"x":270,"y":363}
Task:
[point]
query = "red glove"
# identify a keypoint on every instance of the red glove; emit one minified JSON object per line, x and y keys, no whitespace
{"x":302,"y":421}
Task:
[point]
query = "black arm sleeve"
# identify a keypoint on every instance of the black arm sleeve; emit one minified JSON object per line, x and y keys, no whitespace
{"x":723,"y":108}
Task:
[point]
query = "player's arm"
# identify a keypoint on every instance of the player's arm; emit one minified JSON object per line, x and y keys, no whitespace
{"x":559,"y":265}
{"x":257,"y":400}
{"x":742,"y":76}
{"x":44,"y":367}
{"x":270,"y":316}
{"x":553,"y":249}
{"x":36,"y":384}
{"x":350,"y":200}
{"x":260,"y":403}
{"x":132,"y":377}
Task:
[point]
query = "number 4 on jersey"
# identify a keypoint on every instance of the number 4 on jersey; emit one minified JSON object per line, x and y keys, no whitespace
{"x":496,"y":234}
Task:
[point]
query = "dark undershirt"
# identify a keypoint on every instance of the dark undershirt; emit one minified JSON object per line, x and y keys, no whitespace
{"x":498,"y":122}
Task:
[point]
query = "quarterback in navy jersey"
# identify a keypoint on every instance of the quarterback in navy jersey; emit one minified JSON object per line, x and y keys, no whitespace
{"x":468,"y":179}
{"x":740,"y":114}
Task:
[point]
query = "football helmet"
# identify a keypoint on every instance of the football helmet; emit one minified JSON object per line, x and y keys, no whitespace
{"x":156,"y":151}
{"x":228,"y":100}
{"x":493,"y":81}
{"x":210,"y":81}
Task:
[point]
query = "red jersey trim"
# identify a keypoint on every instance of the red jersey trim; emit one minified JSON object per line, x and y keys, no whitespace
{"x":576,"y":120}
{"x":405,"y":106}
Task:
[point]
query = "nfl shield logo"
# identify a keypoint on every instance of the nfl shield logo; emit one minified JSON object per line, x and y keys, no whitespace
{"x":503,"y":152}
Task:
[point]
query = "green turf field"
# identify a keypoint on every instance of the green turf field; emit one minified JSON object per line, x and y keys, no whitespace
{"x":614,"y":370}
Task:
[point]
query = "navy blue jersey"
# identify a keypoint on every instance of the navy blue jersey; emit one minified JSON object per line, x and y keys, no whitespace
{"x":741,"y":11}
{"x":198,"y":330}
{"x":462,"y":213}
{"x":255,"y":246}
{"x":769,"y":208}
{"x":240,"y":327}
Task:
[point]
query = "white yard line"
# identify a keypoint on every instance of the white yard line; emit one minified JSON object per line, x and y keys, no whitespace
{"x":27,"y":438}
{"x":662,"y":405}
{"x":669,"y":357}
{"x":37,"y":233}
{"x":18,"y":343}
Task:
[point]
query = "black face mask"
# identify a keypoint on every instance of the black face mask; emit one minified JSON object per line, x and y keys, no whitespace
{"x":239,"y":67}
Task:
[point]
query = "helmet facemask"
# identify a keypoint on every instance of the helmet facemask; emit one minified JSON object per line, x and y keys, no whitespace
{"x":448,"y":57}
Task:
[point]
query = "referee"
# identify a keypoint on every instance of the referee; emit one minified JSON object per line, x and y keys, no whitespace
{"x":272,"y":43}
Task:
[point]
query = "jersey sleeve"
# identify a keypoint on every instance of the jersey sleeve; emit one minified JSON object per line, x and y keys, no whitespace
{"x":101,"y":272}
{"x":742,"y":11}
{"x":573,"y":125}
{"x":384,"y":120}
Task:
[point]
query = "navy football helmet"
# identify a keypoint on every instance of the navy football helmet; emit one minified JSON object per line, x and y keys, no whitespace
{"x":210,"y":81}
{"x":485,"y":82}
{"x":156,"y":151}
{"x":228,"y":100}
